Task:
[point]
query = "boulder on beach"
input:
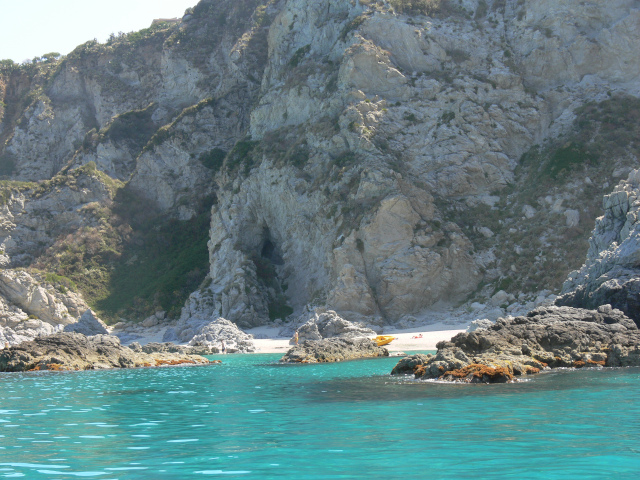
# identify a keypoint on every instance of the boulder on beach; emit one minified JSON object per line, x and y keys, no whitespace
{"x":88,"y":324}
{"x":221,"y":330}
{"x":479,"y":324}
{"x":208,"y":335}
{"x":330,"y":325}
{"x":334,"y":350}
{"x":548,"y":337}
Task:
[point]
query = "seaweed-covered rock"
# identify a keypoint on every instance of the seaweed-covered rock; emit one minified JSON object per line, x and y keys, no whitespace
{"x":74,"y":351}
{"x":548,"y":337}
{"x":334,"y":350}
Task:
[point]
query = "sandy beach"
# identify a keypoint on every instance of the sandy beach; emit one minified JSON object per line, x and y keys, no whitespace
{"x":405,"y":339}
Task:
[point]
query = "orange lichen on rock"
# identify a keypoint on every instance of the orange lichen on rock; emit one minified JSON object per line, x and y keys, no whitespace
{"x":55,"y":367}
{"x":419,"y":371}
{"x":529,"y":370}
{"x":478,"y":372}
{"x":160,"y":363}
{"x":602,"y":363}
{"x":578,"y":364}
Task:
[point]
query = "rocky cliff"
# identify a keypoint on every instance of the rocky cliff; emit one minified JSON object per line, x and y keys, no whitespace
{"x":610,"y":274}
{"x":372,"y":158}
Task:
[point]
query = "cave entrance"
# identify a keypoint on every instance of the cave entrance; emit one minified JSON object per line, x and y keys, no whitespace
{"x":269,"y":275}
{"x":270,"y":252}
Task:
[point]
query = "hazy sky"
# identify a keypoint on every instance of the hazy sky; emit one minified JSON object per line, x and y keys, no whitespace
{"x":32,"y":28}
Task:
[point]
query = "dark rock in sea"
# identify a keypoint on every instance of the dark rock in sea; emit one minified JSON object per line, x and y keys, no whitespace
{"x":548,"y":337}
{"x":334,"y":350}
{"x":74,"y":351}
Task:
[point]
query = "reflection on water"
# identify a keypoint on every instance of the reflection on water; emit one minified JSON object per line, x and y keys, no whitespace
{"x":254,"y":418}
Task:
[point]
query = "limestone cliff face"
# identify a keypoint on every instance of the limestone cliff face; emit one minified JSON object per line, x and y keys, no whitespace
{"x":425,"y":107}
{"x":610,"y":273}
{"x":357,"y":158}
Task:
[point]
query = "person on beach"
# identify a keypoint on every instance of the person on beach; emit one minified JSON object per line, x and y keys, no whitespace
{"x":295,"y":337}
{"x":224,"y":349}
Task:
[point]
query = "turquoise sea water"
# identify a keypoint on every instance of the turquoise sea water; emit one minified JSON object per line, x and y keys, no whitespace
{"x":253,"y":418}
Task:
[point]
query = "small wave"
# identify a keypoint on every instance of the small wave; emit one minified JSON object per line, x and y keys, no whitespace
{"x":73,"y":474}
{"x":32,"y":465}
{"x":118,"y":469}
{"x":222,"y":472}
{"x":186,"y":440}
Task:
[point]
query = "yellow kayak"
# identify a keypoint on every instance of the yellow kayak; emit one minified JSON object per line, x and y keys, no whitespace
{"x":384,"y":339}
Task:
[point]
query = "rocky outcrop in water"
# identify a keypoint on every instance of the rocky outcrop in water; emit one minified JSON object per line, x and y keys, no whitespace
{"x":611,"y":273}
{"x":74,"y":351}
{"x":331,"y":325}
{"x":548,"y":337}
{"x":334,"y":350}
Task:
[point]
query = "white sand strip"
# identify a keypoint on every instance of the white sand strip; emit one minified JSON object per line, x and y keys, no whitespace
{"x":404,"y":340}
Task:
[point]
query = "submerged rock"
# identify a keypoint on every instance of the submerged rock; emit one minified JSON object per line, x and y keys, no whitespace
{"x":74,"y":351}
{"x":334,"y":350}
{"x":548,"y":337}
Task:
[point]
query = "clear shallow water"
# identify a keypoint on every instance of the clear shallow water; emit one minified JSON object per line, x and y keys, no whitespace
{"x":253,"y":418}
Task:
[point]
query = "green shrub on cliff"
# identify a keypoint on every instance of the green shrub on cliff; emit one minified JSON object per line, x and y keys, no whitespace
{"x":128,"y":260}
{"x":416,"y":7}
{"x":213,"y":159}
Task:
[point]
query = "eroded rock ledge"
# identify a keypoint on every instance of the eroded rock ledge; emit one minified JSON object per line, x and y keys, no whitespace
{"x":548,"y":337}
{"x":334,"y":350}
{"x":74,"y":351}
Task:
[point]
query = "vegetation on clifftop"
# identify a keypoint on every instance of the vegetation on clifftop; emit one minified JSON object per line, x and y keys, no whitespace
{"x":131,"y":261}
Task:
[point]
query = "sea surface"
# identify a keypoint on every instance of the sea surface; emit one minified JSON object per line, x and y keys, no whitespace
{"x":253,"y":418}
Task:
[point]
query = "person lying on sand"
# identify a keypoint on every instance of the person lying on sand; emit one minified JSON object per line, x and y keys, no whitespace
{"x":417,"y":336}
